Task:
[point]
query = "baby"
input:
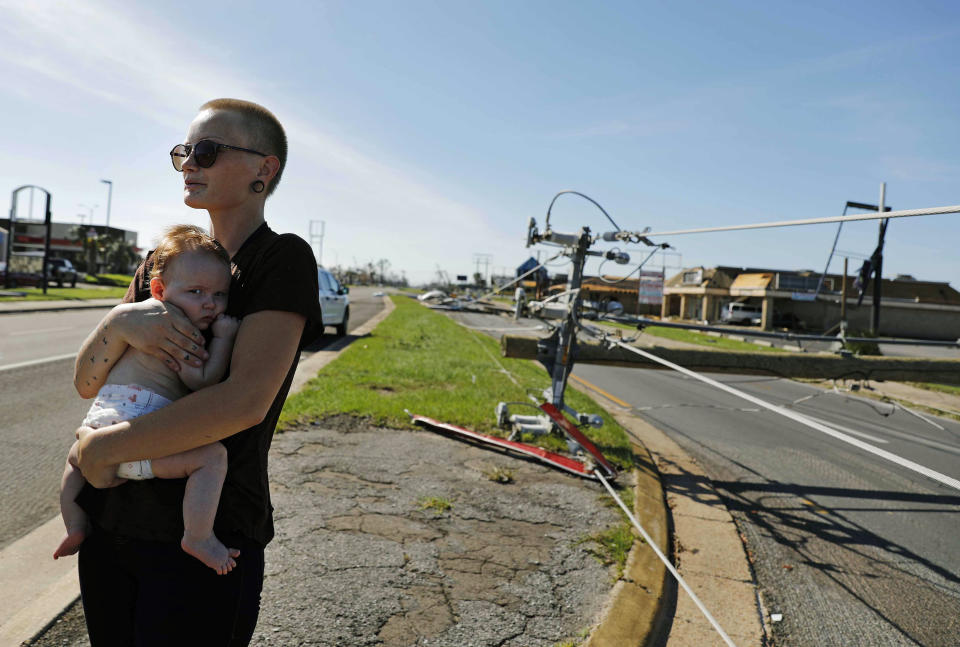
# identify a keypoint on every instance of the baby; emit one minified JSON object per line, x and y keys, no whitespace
{"x":191,"y":271}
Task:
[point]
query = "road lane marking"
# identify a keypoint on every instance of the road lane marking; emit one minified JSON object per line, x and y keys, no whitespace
{"x":39,"y":332}
{"x":594,"y":387}
{"x":35,"y":362}
{"x":953,"y":449}
{"x":793,"y":415}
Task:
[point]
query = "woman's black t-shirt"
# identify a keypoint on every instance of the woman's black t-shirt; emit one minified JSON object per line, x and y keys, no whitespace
{"x":270,"y":272}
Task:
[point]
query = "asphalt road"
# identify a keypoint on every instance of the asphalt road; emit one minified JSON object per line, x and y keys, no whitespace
{"x":33,"y":336}
{"x":851,"y":549}
{"x":40,"y":408}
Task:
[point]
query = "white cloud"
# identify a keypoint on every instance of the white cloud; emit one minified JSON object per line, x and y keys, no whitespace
{"x":129,"y":62}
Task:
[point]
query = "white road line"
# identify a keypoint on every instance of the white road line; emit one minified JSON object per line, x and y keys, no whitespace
{"x":793,"y":415}
{"x":35,"y":362}
{"x":953,"y":449}
{"x":39,"y":332}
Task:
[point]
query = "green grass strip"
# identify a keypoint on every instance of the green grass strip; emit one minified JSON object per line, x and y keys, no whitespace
{"x":65,"y":294}
{"x":119,"y":280}
{"x":700,"y":339}
{"x":421,"y":360}
{"x":941,"y":388}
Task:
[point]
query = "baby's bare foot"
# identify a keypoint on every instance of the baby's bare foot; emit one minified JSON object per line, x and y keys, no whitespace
{"x":211,"y":552}
{"x":71,"y":543}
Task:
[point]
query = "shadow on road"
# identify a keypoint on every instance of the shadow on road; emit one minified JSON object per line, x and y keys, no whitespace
{"x":908,"y":592}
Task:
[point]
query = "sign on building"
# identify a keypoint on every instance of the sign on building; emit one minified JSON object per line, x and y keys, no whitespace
{"x":650,"y":288}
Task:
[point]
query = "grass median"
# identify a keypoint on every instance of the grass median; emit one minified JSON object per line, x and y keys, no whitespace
{"x":700,"y":339}
{"x":118,"y":280}
{"x":423,"y":361}
{"x":64,"y":294}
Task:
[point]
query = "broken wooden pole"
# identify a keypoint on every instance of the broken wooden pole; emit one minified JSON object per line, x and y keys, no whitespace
{"x":810,"y":366}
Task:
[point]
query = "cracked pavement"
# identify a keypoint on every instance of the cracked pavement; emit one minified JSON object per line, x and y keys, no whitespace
{"x":358,"y":559}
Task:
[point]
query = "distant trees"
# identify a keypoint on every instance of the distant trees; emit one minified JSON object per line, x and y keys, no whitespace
{"x":370,"y":273}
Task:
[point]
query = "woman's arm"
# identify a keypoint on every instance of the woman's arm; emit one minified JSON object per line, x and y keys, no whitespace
{"x":151,"y":326}
{"x":266,"y":345}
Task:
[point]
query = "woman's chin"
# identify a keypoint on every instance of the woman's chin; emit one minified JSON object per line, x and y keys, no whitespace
{"x":193,"y":200}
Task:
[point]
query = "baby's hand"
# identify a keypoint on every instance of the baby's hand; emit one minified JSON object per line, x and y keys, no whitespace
{"x":225,"y":327}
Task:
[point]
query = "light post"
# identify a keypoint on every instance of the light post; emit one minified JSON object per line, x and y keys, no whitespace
{"x":83,"y":206}
{"x":109,"y":184}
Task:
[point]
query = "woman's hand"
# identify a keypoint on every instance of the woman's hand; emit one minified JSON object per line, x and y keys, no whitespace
{"x":84,"y":457}
{"x":160,"y":328}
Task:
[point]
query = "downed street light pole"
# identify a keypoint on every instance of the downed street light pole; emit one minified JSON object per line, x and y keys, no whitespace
{"x":810,"y":366}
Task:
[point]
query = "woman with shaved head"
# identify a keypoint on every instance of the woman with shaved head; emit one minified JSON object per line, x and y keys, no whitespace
{"x":139,"y":588}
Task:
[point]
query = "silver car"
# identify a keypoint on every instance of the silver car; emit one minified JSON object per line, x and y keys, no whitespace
{"x":334,"y":301}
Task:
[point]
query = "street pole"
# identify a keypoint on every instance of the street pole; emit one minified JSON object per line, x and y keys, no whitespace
{"x":316,"y":239}
{"x":7,"y":282}
{"x":47,"y":223}
{"x":843,"y":300}
{"x":878,"y":266}
{"x":109,"y":198}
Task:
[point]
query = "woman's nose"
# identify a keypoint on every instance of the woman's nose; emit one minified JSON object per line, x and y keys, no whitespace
{"x":189,"y":162}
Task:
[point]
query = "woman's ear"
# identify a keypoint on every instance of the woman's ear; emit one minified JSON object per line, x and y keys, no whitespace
{"x":156,"y":288}
{"x":268,"y":168}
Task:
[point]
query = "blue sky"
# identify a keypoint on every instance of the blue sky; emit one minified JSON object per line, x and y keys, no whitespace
{"x":427,"y":132}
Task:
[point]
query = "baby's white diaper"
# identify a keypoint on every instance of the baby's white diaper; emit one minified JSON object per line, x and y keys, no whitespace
{"x":117,"y":402}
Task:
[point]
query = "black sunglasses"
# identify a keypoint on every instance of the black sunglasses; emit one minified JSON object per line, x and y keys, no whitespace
{"x":204,"y":151}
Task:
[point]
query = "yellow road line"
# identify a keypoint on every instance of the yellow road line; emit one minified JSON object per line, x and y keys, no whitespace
{"x":594,"y":387}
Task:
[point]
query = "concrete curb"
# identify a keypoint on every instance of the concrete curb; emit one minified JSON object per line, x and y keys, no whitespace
{"x":41,"y":595}
{"x":638,"y":612}
{"x":308,"y":368}
{"x":36,"y":588}
{"x":708,"y":550}
{"x":645,"y":608}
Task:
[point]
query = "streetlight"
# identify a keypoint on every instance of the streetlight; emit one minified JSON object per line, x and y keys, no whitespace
{"x":109,"y":184}
{"x":83,"y":206}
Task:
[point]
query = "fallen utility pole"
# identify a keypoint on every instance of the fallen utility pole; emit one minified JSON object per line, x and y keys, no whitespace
{"x":810,"y":366}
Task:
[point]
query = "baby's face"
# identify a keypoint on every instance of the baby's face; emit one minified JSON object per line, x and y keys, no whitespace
{"x":198,"y":284}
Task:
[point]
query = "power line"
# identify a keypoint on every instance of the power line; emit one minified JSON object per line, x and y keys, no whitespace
{"x":811,"y":221}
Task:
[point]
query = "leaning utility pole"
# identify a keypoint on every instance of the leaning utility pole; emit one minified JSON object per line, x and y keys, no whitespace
{"x":878,"y":266}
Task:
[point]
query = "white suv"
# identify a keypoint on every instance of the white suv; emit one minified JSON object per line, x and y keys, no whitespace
{"x":334,"y":301}
{"x":738,"y":313}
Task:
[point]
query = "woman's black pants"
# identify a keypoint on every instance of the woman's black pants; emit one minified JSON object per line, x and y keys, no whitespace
{"x":144,"y":594}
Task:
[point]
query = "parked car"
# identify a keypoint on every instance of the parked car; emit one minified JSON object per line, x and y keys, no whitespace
{"x":334,"y":301}
{"x":61,"y":272}
{"x":27,"y":272}
{"x":741,"y":313}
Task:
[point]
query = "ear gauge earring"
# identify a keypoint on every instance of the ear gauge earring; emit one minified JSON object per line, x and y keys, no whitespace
{"x":257,"y":186}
